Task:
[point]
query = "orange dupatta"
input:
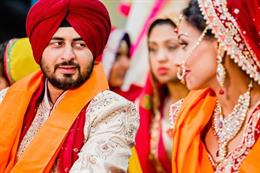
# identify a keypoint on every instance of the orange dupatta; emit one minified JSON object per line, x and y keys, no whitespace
{"x":189,"y":154}
{"x":36,"y":158}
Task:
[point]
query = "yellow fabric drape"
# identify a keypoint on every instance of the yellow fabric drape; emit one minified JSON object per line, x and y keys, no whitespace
{"x":134,"y":164}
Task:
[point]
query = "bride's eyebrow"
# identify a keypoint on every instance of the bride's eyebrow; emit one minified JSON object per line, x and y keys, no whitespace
{"x":183,"y":34}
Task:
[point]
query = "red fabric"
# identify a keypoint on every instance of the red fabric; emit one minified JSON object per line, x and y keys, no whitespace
{"x":248,"y":19}
{"x":74,"y":140}
{"x":32,"y":108}
{"x":73,"y":143}
{"x":163,"y":157}
{"x":89,"y":18}
{"x":143,"y":135}
{"x":132,"y":94}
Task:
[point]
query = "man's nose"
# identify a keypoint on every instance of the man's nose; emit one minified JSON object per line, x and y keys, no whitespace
{"x":68,"y":53}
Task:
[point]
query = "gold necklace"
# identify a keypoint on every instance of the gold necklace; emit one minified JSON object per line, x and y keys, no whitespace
{"x":226,"y":128}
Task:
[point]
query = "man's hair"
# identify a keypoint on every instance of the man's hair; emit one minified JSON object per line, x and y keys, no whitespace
{"x":65,"y":23}
{"x":65,"y":86}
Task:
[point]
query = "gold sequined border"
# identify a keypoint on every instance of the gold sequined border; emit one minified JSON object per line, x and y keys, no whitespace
{"x":229,"y":36}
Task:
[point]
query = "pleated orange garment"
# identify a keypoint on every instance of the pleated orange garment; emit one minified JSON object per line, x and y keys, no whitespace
{"x":189,"y":154}
{"x":41,"y":153}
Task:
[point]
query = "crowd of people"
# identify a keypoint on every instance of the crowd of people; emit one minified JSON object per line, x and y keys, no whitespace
{"x":63,"y":107}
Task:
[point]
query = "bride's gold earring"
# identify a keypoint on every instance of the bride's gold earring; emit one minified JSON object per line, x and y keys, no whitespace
{"x":181,"y":71}
{"x":221,"y":71}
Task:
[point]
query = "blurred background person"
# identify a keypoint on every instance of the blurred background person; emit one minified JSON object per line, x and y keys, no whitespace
{"x":116,"y":61}
{"x":16,"y":61}
{"x":141,"y":14}
{"x":153,"y":141}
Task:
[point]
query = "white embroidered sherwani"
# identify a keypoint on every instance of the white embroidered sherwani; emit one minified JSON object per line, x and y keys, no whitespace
{"x":109,"y":131}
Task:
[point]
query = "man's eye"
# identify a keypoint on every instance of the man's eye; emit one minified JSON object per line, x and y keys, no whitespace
{"x":80,"y":45}
{"x":57,"y":44}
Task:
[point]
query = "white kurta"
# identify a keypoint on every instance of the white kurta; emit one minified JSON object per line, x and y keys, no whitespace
{"x":110,"y":128}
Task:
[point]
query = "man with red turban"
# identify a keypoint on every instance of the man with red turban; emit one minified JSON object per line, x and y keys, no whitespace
{"x":63,"y":118}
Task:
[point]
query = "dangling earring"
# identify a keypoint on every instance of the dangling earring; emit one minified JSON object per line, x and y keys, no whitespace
{"x":181,"y":71}
{"x":221,"y":72}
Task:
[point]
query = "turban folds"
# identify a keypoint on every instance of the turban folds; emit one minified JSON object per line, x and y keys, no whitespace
{"x":89,"y":18}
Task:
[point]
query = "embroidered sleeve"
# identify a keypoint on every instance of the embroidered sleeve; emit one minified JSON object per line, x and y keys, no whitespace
{"x":110,"y":129}
{"x":2,"y":94}
{"x":174,"y":110}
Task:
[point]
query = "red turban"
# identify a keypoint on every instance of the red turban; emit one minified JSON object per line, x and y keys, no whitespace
{"x":89,"y":18}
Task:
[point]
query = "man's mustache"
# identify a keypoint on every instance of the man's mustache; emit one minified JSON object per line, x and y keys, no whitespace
{"x":67,"y":63}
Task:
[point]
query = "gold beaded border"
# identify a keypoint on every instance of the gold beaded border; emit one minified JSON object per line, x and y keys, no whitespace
{"x":229,"y":36}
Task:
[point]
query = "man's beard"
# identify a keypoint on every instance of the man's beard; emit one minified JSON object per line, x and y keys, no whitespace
{"x":67,"y":82}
